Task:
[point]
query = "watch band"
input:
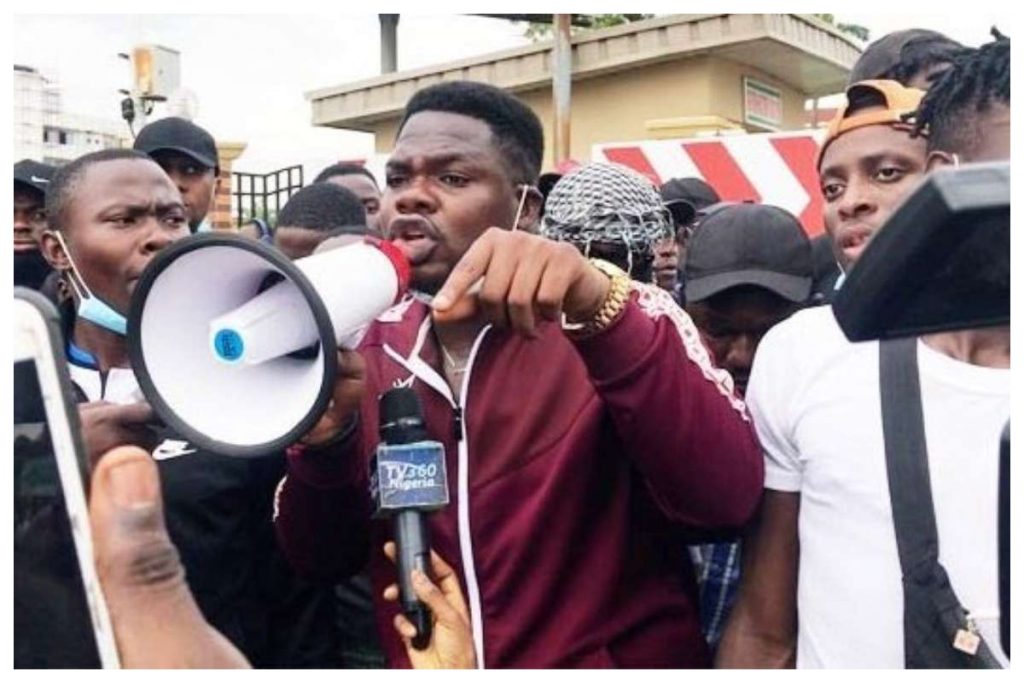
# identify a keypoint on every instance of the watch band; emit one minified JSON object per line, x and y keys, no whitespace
{"x":612,"y":307}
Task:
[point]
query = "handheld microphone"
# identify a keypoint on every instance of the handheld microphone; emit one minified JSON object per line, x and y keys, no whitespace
{"x":407,"y":478}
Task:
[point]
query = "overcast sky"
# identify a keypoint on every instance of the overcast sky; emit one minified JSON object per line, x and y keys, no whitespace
{"x":250,"y":72}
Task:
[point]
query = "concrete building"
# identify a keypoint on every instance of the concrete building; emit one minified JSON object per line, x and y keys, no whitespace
{"x":667,"y":77}
{"x":45,"y":132}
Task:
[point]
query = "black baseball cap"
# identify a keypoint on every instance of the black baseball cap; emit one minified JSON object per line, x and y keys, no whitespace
{"x":749,"y":244}
{"x":881,"y":57}
{"x":693,"y":190}
{"x":179,"y":135}
{"x":686,"y":197}
{"x":33,"y":175}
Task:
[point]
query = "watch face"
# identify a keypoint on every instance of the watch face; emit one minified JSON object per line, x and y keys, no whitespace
{"x":613,"y":305}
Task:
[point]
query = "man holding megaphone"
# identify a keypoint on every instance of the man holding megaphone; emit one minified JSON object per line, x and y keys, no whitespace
{"x":111,"y":213}
{"x":581,"y":419}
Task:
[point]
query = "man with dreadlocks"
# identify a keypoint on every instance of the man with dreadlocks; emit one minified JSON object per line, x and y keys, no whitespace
{"x":967,"y":112}
{"x":825,"y":546}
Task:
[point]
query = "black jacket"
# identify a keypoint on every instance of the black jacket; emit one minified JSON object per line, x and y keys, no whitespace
{"x":219,"y":513}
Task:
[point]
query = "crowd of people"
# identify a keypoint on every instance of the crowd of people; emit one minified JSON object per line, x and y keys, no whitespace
{"x":662,"y":450}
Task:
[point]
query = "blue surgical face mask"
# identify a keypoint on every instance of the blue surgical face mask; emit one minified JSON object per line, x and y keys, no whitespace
{"x":90,"y":306}
{"x":98,"y":312}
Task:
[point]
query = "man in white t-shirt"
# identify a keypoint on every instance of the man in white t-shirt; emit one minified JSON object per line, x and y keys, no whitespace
{"x":825,"y":545}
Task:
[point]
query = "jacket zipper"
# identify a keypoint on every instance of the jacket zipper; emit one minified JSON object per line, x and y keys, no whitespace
{"x":434,"y":380}
{"x":476,"y":616}
{"x":457,"y":424}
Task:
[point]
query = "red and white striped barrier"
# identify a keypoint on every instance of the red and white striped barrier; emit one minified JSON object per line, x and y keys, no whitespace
{"x":771,"y":168}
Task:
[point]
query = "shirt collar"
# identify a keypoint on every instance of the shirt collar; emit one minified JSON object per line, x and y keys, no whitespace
{"x":79,"y":356}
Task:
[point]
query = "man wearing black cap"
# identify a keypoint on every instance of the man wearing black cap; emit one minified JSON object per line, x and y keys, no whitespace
{"x":692,"y":189}
{"x":31,"y":179}
{"x":748,"y":268}
{"x":188,"y":154}
{"x":685,"y":198}
{"x":915,"y":57}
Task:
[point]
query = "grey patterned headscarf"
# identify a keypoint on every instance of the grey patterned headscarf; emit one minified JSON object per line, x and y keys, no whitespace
{"x":607,"y":204}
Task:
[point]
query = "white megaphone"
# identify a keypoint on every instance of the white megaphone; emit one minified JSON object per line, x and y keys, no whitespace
{"x":234,"y":345}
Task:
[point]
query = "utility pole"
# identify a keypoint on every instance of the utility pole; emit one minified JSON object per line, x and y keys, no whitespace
{"x":561,"y":85}
{"x":388,"y":43}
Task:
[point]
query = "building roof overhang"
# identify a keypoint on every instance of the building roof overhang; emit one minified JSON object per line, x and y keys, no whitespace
{"x":809,"y":55}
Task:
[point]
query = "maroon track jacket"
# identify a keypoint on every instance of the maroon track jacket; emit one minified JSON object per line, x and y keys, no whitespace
{"x":575,"y":471}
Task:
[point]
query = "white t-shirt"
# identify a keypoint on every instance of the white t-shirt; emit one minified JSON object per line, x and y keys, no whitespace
{"x":814,"y":398}
{"x":121,"y":386}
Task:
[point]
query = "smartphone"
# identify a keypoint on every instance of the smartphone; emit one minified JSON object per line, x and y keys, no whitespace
{"x":60,"y":617}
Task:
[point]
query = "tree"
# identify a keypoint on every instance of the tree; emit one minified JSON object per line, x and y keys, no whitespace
{"x":855,"y":30}
{"x":540,"y":30}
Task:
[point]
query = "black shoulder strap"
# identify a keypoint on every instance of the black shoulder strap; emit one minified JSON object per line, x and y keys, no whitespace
{"x":933,"y":617}
{"x":906,"y":454}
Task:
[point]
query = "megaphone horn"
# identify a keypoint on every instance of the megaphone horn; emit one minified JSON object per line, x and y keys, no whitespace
{"x":234,"y":345}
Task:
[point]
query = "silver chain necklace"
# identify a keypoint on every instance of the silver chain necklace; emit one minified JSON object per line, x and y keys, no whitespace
{"x":450,"y":362}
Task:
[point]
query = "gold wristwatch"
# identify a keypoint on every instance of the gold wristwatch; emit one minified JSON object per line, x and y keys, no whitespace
{"x":612,"y":307}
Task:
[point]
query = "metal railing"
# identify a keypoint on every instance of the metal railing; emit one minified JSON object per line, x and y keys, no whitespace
{"x":261,"y":195}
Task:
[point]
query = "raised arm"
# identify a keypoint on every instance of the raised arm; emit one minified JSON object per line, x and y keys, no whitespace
{"x":676,"y":414}
{"x":687,"y":433}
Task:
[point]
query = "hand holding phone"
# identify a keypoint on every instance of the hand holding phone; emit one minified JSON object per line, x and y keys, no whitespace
{"x":155,"y":618}
{"x":60,"y":617}
{"x":96,"y":583}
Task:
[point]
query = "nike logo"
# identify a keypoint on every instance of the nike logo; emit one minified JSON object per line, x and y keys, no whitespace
{"x":37,"y":179}
{"x":172,"y":448}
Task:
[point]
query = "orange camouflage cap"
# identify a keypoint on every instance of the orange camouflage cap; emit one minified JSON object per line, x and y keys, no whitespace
{"x":900,"y":102}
